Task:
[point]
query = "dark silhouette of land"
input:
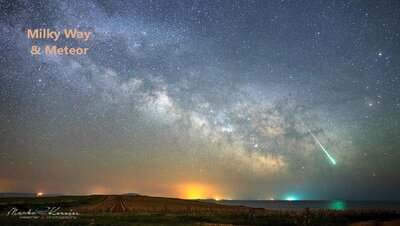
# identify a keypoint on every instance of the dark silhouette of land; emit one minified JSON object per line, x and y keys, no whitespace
{"x":145,"y":210}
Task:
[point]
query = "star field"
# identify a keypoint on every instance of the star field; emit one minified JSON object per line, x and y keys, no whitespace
{"x":203,"y":92}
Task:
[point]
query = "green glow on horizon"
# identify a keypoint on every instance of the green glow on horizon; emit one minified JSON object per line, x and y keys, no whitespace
{"x":291,"y":198}
{"x":337,"y":205}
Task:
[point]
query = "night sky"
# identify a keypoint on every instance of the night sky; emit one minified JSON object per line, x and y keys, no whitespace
{"x":203,"y":99}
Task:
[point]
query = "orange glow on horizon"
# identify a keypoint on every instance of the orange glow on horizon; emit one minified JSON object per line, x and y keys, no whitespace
{"x":39,"y":194}
{"x":198,"y":191}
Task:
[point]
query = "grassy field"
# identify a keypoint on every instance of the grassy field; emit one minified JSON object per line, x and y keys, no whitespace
{"x":142,"y":210}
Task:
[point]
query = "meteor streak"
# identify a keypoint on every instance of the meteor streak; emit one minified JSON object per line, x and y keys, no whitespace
{"x":326,"y":152}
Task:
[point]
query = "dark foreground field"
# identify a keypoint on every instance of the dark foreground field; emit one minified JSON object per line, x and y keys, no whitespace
{"x":142,"y":210}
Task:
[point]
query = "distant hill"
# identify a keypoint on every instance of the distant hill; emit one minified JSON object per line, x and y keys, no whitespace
{"x":22,"y":194}
{"x":132,"y":194}
{"x":26,"y":194}
{"x":16,"y":194}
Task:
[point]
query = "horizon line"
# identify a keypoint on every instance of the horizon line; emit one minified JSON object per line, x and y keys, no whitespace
{"x":36,"y":194}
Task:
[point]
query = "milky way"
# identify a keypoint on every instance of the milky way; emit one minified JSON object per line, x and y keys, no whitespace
{"x":204,"y":92}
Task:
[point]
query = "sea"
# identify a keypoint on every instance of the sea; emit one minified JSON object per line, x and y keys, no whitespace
{"x":298,"y":205}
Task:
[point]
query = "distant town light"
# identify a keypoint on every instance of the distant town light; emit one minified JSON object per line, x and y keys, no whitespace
{"x":291,"y":198}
